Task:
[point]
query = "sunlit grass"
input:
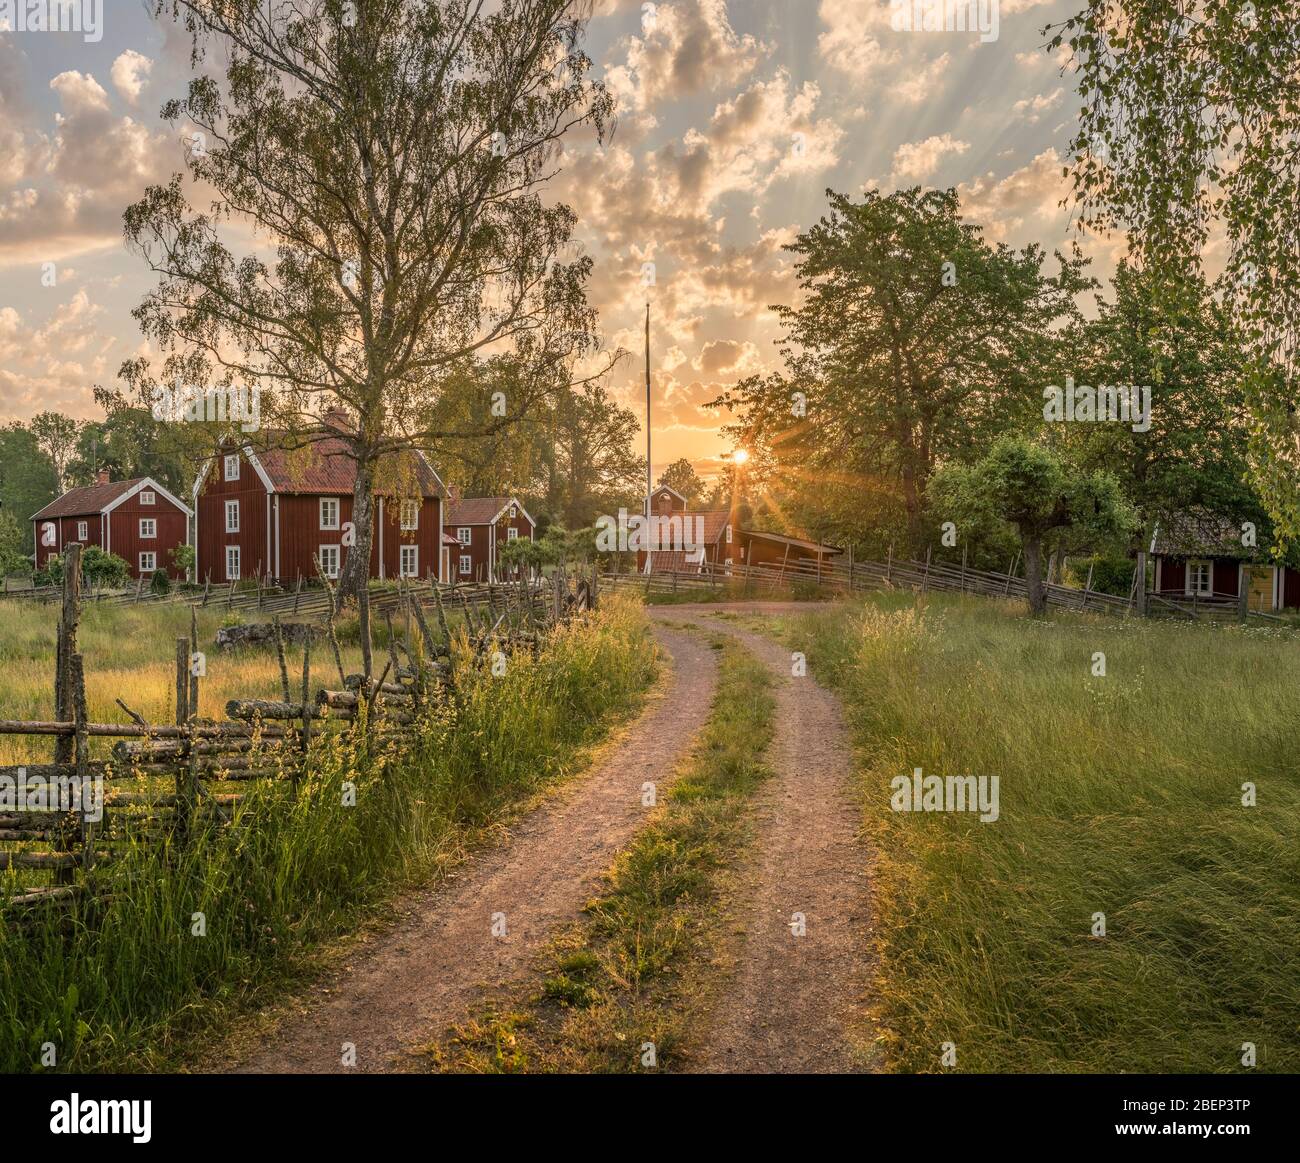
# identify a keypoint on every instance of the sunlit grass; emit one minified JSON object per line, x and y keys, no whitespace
{"x":1119,"y":795}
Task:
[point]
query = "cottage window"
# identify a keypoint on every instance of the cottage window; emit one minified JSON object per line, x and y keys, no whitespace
{"x":232,"y":467}
{"x":410,"y":515}
{"x":148,"y":562}
{"x":512,"y":534}
{"x":232,"y":563}
{"x":148,"y":527}
{"x":232,"y":516}
{"x":329,"y":512}
{"x":514,"y":512}
{"x":466,"y":563}
{"x":82,"y":532}
{"x":1200,"y":577}
{"x":147,"y":497}
{"x":409,"y":566}
{"x":464,"y":535}
{"x":329,"y":560}
{"x":728,"y":534}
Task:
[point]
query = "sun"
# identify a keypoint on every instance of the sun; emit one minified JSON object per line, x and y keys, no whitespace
{"x":740,"y":456}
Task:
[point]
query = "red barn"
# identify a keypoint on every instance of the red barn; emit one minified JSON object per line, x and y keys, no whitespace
{"x":477,"y":525}
{"x":277,"y":512}
{"x":138,"y":520}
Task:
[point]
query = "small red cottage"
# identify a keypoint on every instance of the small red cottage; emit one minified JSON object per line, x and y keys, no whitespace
{"x":1199,"y":554}
{"x":276,"y":512}
{"x":475,"y":526}
{"x":722,"y":541}
{"x":138,"y":520}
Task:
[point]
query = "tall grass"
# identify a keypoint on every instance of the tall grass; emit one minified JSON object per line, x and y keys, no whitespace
{"x":1120,"y":795}
{"x":133,"y":985}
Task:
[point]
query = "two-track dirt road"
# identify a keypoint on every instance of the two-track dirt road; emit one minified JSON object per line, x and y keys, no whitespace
{"x":803,"y":959}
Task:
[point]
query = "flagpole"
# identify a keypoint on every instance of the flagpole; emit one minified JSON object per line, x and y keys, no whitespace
{"x":648,"y":485}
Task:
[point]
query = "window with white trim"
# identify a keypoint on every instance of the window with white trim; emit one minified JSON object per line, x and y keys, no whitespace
{"x":148,"y":562}
{"x":410,"y":514}
{"x":329,"y":560}
{"x":728,"y":534}
{"x":232,"y":563}
{"x":82,"y":531}
{"x":329,"y":512}
{"x":466,"y":563}
{"x":147,"y":497}
{"x":409,"y":562}
{"x":1200,"y":578}
{"x":514,"y":512}
{"x":464,"y":534}
{"x":148,"y":527}
{"x":512,"y":533}
{"x":232,"y":516}
{"x":232,"y":467}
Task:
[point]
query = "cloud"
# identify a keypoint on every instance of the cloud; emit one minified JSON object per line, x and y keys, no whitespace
{"x":1004,"y":206}
{"x":685,"y":48}
{"x":1032,"y":108}
{"x":130,"y":73}
{"x":918,"y":160}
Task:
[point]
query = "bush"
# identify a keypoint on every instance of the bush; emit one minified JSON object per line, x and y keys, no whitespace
{"x":1110,"y":575}
{"x":160,"y":584}
{"x":102,"y":569}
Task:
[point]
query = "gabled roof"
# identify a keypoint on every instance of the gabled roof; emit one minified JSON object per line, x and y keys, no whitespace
{"x":481,"y":510}
{"x":785,"y":539}
{"x":669,"y":489}
{"x":1198,"y":532}
{"x":323,"y":467}
{"x":91,"y":500}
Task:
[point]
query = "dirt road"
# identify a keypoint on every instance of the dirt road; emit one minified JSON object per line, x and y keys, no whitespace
{"x":802,"y":971}
{"x":426,"y":972}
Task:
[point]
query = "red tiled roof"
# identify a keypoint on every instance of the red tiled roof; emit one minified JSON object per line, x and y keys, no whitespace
{"x":674,"y":561}
{"x":91,"y":499}
{"x":475,"y":510}
{"x":324,"y":467}
{"x":448,"y":539}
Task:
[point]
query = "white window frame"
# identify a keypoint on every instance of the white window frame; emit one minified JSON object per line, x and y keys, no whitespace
{"x":232,"y":507}
{"x":512,"y":534}
{"x":232,"y":467}
{"x":153,"y":561}
{"x":466,"y":563}
{"x":152,"y":523}
{"x":1198,"y":564}
{"x":336,"y":552}
{"x":409,"y":517}
{"x":413,"y":551}
{"x":232,"y":575}
{"x":148,"y":497}
{"x":514,"y":512}
{"x":465,"y":534}
{"x":728,"y":534}
{"x":338,"y":512}
{"x":83,"y":530}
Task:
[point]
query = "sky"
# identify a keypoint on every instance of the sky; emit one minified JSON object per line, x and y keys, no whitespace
{"x":734,"y":117}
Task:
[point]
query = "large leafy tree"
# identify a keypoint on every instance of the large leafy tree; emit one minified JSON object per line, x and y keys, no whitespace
{"x":28,"y":481}
{"x":1039,"y":494}
{"x":914,"y":341}
{"x":392,"y":153}
{"x":56,"y":436}
{"x":1188,"y":132}
{"x":1173,"y":336}
{"x":592,"y":465}
{"x":681,"y":475}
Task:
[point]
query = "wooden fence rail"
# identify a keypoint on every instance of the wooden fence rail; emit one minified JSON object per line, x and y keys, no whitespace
{"x":189,"y":769}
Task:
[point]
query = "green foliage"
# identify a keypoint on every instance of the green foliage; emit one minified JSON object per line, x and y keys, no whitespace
{"x":103,"y":569}
{"x":160,"y":584}
{"x":1110,"y":575}
{"x":183,"y":557}
{"x":915,"y":343}
{"x":681,"y":475}
{"x":13,"y":546}
{"x":1029,"y":487}
{"x":27,"y":478}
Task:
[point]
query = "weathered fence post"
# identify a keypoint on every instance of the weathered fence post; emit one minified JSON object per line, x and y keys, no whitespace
{"x":963,"y":568}
{"x":185,"y":770}
{"x":1243,"y":597}
{"x":925,"y":577}
{"x":82,"y":750}
{"x":70,"y":616}
{"x":1140,"y":584}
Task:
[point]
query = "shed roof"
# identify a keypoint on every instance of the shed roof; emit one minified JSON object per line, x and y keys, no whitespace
{"x":1198,"y":532}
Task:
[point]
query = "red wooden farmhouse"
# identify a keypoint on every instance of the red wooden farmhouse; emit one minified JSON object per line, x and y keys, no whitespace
{"x":277,"y":512}
{"x":723,"y":542}
{"x":476,"y":526}
{"x":138,"y":520}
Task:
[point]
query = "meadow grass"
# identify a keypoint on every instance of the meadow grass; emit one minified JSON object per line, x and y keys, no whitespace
{"x":637,"y":969}
{"x":192,"y":933}
{"x":1119,"y":795}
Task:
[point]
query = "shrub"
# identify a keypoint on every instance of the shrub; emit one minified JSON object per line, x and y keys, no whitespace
{"x":160,"y":584}
{"x":102,"y":569}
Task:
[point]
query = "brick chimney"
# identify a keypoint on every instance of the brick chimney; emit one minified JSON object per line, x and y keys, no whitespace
{"x":102,"y":477}
{"x":453,"y":494}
